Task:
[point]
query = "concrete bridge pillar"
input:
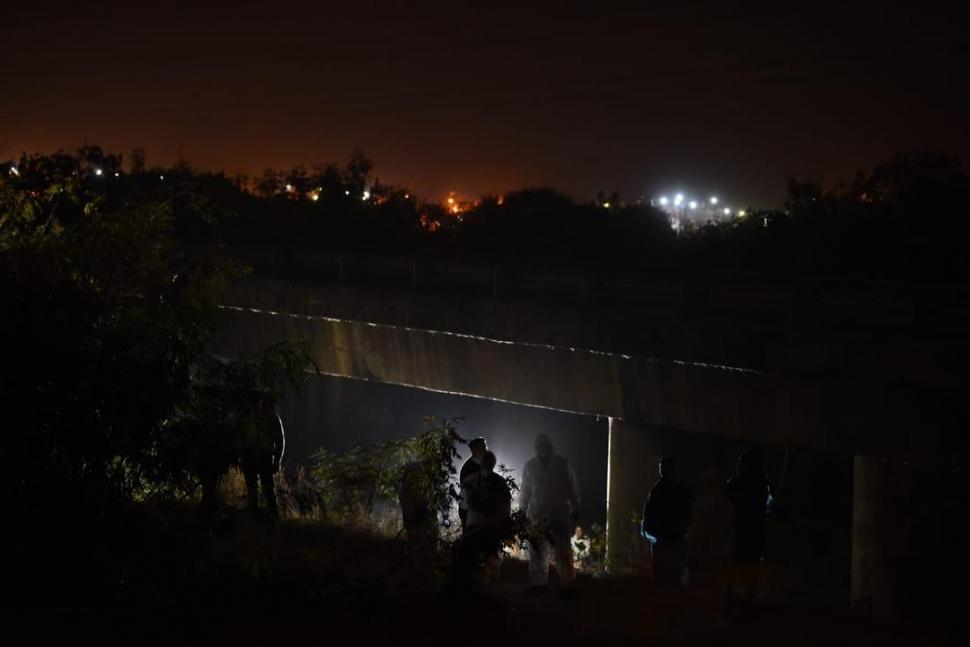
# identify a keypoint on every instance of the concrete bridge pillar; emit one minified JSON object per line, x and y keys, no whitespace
{"x":905,"y":542}
{"x":879,"y":535}
{"x":634,"y":451}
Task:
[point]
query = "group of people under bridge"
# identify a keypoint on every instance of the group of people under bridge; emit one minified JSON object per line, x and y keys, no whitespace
{"x":719,"y":525}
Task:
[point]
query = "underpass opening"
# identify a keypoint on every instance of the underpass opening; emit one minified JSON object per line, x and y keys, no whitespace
{"x":335,"y":412}
{"x":809,"y":529}
{"x":688,"y":402}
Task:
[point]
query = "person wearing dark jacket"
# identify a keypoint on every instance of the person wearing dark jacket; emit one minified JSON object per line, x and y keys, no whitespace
{"x":489,"y":519}
{"x":469,"y":477}
{"x":491,"y":501}
{"x":666,"y":519}
{"x":750,"y":495}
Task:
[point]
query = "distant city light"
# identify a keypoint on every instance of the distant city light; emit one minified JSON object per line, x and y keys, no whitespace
{"x":407,"y":196}
{"x":686,"y":210}
{"x":98,"y":171}
{"x":742,"y":213}
{"x":289,"y":187}
{"x":451,"y":201}
{"x":366,"y":195}
{"x":315,"y":195}
{"x":14,"y":171}
{"x":606,"y":205}
{"x":347,"y":192}
{"x":117,"y":173}
{"x":161,"y":177}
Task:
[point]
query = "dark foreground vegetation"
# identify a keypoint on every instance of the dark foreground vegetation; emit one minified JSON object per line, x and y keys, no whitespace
{"x":115,"y":408}
{"x":253,"y":582}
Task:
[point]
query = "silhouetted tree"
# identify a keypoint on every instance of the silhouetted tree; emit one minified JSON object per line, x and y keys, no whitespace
{"x":357,"y":173}
{"x":270,"y":184}
{"x":802,"y":195}
{"x":111,"y":316}
{"x":296,"y":183}
{"x":136,"y":161}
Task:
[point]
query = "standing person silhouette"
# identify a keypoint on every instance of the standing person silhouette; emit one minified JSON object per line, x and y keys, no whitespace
{"x":469,"y":476}
{"x":550,"y":497}
{"x":666,"y":518}
{"x":489,"y":520}
{"x":749,"y":493}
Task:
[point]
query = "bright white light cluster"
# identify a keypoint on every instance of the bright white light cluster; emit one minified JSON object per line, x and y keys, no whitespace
{"x":682,"y":210}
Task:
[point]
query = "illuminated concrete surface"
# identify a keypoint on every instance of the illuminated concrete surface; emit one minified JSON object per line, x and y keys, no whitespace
{"x":852,"y":414}
{"x":647,"y":398}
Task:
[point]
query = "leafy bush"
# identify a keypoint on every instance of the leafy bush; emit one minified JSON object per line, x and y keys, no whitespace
{"x":109,"y":318}
{"x":358,"y":484}
{"x":299,"y":496}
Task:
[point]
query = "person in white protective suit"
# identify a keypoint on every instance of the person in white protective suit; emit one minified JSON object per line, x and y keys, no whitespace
{"x":550,"y":498}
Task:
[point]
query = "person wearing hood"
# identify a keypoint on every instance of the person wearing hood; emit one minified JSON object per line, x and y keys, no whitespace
{"x":549,"y":496}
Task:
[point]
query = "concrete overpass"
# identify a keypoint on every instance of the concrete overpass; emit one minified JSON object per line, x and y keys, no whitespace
{"x":791,"y":390}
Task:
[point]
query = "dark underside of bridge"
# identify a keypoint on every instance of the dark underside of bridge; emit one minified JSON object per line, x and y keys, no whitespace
{"x":856,"y":391}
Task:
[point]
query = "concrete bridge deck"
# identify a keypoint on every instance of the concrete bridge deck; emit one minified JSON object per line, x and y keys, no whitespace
{"x":892,"y":401}
{"x":857,"y":412}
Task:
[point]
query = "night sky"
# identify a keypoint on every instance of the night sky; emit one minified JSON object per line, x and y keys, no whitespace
{"x":726,"y":98}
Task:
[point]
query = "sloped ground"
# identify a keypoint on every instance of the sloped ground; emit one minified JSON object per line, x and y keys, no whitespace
{"x":250,"y":582}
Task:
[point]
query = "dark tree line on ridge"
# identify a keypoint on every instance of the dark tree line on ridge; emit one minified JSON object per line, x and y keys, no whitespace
{"x":904,"y":221}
